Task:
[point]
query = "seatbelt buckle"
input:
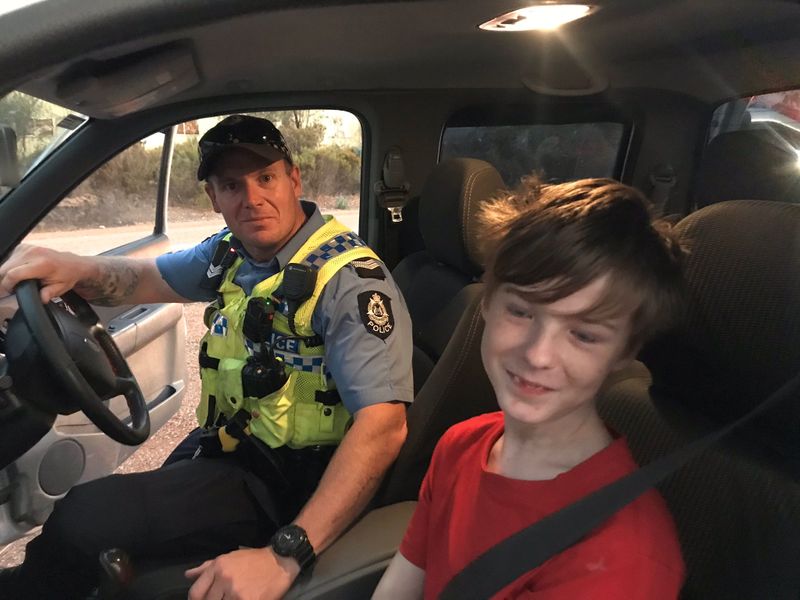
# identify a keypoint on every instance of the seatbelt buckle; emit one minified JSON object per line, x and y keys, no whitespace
{"x":392,"y":190}
{"x":392,"y":199}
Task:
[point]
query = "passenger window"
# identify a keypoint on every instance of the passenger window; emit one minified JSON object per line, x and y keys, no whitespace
{"x":556,"y":152}
{"x":753,"y":150}
{"x":777,"y":112}
{"x":326,"y":145}
{"x":112,"y":207}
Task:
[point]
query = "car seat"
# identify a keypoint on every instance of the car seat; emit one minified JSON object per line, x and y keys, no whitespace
{"x":737,"y":506}
{"x":439,"y":282}
{"x":757,"y":164}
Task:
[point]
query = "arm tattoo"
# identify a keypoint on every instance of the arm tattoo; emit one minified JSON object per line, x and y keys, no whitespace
{"x":117,"y":279}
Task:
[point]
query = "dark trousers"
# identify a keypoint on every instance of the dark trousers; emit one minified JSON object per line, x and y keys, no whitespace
{"x":187,"y":508}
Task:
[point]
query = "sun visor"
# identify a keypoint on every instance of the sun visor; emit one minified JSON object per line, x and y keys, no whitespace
{"x":126,"y":84}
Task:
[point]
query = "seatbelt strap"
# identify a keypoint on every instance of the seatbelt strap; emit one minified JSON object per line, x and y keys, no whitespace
{"x":662,"y":180}
{"x":527,"y":549}
{"x":392,"y":193}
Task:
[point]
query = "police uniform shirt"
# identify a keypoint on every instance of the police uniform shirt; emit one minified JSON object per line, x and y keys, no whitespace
{"x":368,"y":366}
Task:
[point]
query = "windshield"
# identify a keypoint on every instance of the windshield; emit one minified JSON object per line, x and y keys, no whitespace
{"x":31,"y":130}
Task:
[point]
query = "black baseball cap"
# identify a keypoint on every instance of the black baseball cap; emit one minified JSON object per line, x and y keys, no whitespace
{"x":257,"y":135}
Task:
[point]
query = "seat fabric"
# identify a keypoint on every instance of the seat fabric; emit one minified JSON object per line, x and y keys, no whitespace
{"x":438,"y":282}
{"x":458,"y":389}
{"x":740,"y":339}
{"x":756,"y":164}
{"x":737,"y":506}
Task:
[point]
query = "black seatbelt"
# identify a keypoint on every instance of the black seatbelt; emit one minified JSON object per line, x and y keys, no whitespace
{"x":518,"y":554}
{"x":392,"y":193}
{"x":392,"y":189}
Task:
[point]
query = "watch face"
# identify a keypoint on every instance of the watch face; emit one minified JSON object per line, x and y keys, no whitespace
{"x":287,"y":540}
{"x":292,"y":541}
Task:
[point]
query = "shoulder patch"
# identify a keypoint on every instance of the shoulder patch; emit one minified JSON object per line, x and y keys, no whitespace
{"x":375,"y":309}
{"x":368,"y":268}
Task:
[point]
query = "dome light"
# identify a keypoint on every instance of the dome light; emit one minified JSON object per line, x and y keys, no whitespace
{"x":541,"y":17}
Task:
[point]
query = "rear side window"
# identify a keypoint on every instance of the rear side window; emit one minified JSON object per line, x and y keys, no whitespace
{"x":778,"y":112}
{"x":753,"y":150}
{"x":557,"y":152}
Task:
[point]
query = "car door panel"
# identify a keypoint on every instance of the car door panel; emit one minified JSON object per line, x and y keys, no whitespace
{"x":152,"y":339}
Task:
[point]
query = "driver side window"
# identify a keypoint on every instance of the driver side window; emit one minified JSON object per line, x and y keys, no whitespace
{"x":118,"y":203}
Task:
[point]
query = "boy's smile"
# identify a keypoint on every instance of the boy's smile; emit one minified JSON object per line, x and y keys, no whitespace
{"x":546,"y":362}
{"x":528,"y":388}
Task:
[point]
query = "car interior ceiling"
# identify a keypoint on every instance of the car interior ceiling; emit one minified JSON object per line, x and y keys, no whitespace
{"x":737,"y":506}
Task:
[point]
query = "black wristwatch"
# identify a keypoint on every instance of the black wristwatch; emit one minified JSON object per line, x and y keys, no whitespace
{"x":291,"y":541}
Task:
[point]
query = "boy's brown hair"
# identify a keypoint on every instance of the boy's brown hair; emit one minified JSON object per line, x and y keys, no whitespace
{"x":556,"y":239}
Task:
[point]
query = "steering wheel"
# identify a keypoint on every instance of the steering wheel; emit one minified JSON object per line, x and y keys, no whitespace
{"x":85,"y":360}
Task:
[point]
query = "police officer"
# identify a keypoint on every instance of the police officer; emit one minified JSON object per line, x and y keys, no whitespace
{"x":306,"y":369}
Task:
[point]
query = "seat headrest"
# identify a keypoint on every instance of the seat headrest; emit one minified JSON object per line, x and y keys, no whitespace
{"x":740,"y":337}
{"x":752,"y":164}
{"x":448,"y":209}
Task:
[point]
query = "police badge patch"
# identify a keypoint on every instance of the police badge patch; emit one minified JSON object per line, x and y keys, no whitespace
{"x":375,"y":309}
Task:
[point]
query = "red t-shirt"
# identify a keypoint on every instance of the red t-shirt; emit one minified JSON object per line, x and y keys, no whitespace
{"x":464,"y":510}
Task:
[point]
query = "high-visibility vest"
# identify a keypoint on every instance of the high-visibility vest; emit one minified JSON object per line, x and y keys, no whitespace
{"x":301,"y":413}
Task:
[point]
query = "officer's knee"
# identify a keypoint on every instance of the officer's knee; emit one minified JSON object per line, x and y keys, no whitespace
{"x":81,"y":518}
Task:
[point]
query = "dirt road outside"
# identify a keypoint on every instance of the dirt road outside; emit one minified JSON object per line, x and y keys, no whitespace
{"x":182,"y":233}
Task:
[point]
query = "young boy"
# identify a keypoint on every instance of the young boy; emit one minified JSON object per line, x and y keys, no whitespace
{"x":577,"y":278}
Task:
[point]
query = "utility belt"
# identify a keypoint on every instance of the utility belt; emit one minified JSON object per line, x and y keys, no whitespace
{"x":286,"y":470}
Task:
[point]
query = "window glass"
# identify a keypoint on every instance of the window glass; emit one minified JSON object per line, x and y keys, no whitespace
{"x":37,"y":128}
{"x":326,"y":145}
{"x":557,"y":152}
{"x":117,"y":203}
{"x":113,"y":206}
{"x":753,"y":151}
{"x":778,"y":112}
